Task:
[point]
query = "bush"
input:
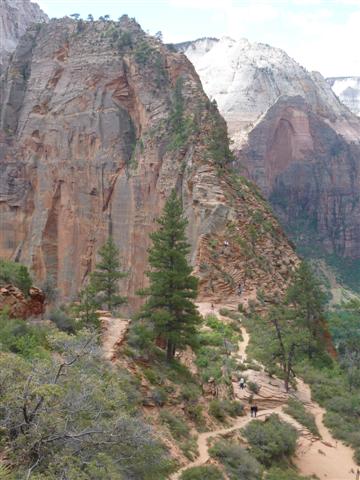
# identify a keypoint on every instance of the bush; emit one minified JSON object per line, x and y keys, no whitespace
{"x":190,"y":393}
{"x":278,"y":474}
{"x":220,"y":409}
{"x":230,"y":314}
{"x":216,"y":409}
{"x":297,"y":410}
{"x":271,"y":441}
{"x":16,"y":274}
{"x":22,"y":338}
{"x":238,"y":463}
{"x":195,"y":412}
{"x":63,"y":321}
{"x":189,"y":448}
{"x":176,"y":425}
{"x":159,"y":396}
{"x":253,"y":387}
{"x":206,"y":472}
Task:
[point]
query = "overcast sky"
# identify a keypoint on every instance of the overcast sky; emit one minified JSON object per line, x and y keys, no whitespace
{"x":322,"y":35}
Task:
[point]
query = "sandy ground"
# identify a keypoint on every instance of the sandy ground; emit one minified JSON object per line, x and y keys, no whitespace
{"x":114,"y":331}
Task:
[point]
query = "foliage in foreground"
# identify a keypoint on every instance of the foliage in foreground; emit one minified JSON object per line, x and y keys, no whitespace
{"x":238,"y":463}
{"x":206,"y":472}
{"x":69,"y":414}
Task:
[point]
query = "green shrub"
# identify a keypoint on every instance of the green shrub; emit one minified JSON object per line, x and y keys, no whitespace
{"x":220,"y":409}
{"x":230,"y":314}
{"x":189,"y":448}
{"x":253,"y":387}
{"x":63,"y":321}
{"x":238,"y":463}
{"x":276,"y":473}
{"x":271,"y":441}
{"x":297,"y":410}
{"x":206,"y":472}
{"x":195,"y":412}
{"x":176,"y":425}
{"x":15,"y":274}
{"x":22,"y":338}
{"x":190,"y":392}
{"x":159,"y":395}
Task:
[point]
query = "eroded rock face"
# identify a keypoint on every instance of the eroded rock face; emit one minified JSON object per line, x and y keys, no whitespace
{"x":311,"y":175}
{"x":17,"y":305}
{"x":15,"y":18}
{"x":90,"y":146}
{"x":292,"y":136}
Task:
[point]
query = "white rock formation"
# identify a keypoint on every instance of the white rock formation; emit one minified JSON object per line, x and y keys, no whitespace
{"x":247,"y":78}
{"x":348,"y":91}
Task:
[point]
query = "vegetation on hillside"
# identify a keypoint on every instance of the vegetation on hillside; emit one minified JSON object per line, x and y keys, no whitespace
{"x":15,"y":274}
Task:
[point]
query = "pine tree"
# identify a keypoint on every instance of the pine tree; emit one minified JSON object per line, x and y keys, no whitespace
{"x":105,"y":279}
{"x":86,"y":309}
{"x":307,"y":299}
{"x":172,"y":289}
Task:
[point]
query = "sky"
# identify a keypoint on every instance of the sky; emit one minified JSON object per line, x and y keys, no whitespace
{"x":322,"y":35}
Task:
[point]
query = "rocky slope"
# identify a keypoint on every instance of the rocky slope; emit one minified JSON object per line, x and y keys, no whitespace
{"x":15,"y":17}
{"x":348,"y":91}
{"x":292,"y":136}
{"x":98,"y":123}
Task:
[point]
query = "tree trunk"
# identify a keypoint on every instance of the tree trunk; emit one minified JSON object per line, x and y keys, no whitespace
{"x":170,"y":351}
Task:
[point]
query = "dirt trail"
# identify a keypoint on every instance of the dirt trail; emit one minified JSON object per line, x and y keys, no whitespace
{"x":326,"y":457}
{"x":114,"y":331}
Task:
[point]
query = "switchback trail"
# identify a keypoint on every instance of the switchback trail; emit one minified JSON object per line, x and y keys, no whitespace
{"x":324,"y":457}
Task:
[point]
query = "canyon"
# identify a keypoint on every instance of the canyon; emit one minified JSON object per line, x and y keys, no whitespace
{"x":292,"y":136}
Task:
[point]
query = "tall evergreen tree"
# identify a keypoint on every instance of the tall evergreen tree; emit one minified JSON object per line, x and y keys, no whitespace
{"x":173,"y":289}
{"x":307,"y":298}
{"x":105,"y":279}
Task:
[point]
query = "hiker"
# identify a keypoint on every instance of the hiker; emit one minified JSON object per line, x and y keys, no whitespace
{"x":253,"y":411}
{"x":358,"y":474}
{"x":226,"y":243}
{"x":242,"y":383}
{"x":212,"y":307}
{"x":240,"y":289}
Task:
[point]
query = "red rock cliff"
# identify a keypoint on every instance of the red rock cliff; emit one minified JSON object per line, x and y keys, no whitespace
{"x":88,"y":147}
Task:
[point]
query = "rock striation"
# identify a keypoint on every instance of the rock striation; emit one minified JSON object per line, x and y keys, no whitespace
{"x":292,"y":136}
{"x":15,"y":18}
{"x":98,"y":123}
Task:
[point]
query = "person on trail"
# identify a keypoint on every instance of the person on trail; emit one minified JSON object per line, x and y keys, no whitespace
{"x":240,"y":289}
{"x":253,"y":411}
{"x":242,"y":383}
{"x":358,"y":474}
{"x":212,"y":307}
{"x":226,"y":243}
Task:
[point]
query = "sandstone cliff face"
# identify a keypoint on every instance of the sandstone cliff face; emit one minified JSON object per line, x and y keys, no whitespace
{"x":105,"y":122}
{"x":292,"y":136}
{"x":15,"y":18}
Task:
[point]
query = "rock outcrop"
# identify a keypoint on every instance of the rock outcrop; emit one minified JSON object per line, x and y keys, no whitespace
{"x":15,"y":18}
{"x":105,"y":123}
{"x":18,"y":305}
{"x":292,"y":136}
{"x":348,"y":91}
